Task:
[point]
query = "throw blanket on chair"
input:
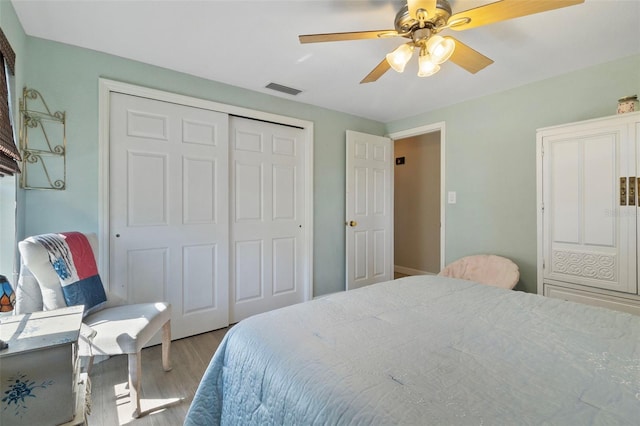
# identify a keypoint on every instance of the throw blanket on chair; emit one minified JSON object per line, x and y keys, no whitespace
{"x":72,"y":258}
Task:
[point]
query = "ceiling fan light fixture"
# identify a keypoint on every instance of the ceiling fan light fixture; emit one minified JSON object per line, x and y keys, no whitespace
{"x":399,"y":58}
{"x":426,"y":66}
{"x":420,"y":21}
{"x":440,"y":48}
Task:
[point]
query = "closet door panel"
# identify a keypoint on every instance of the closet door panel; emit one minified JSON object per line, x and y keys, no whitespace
{"x":168,"y":217}
{"x":267,"y":211}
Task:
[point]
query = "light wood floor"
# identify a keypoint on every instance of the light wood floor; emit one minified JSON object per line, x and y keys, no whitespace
{"x":190,"y":357}
{"x":110,"y":398}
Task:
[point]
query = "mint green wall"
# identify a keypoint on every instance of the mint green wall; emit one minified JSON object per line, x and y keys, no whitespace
{"x":67,"y":77}
{"x":491,"y":157}
{"x":490,"y":145}
{"x":8,"y":225}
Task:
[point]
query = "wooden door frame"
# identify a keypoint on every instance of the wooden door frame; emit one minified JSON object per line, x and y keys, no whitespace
{"x":417,"y":131}
{"x":106,"y":87}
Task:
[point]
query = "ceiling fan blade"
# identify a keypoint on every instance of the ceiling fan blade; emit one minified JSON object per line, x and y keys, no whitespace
{"x":505,"y":9}
{"x":428,"y":5}
{"x":358,"y":35}
{"x":468,"y":58}
{"x":377,"y":72}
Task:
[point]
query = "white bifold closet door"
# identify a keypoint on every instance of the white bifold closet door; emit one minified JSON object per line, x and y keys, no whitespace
{"x":169,"y":227}
{"x":206,"y":211}
{"x":267,"y":216}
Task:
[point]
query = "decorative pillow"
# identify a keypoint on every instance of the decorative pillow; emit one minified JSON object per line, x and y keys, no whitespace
{"x":36,"y":259}
{"x":72,"y":259}
{"x":28,"y":293}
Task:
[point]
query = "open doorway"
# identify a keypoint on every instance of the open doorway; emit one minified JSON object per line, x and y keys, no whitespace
{"x":418,"y":201}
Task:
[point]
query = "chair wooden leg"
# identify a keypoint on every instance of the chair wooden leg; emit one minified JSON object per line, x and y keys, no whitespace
{"x":89,"y":365}
{"x":166,"y":346}
{"x":135,"y":373}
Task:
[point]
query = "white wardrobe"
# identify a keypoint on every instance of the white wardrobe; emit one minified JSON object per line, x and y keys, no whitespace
{"x":588,"y":175}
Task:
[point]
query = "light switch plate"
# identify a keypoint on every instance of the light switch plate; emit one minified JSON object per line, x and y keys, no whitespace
{"x":452,"y":197}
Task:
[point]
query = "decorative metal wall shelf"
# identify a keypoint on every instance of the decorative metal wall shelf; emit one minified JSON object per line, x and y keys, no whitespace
{"x":43,"y":143}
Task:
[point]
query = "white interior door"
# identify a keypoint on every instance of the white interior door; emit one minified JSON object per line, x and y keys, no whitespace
{"x":268,"y":258}
{"x":369,"y":226}
{"x":169,"y":209}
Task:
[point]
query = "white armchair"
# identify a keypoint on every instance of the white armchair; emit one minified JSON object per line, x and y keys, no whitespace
{"x":110,"y":328}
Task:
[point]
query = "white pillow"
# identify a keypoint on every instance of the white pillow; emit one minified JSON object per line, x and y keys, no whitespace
{"x":28,"y":294}
{"x":36,"y":258}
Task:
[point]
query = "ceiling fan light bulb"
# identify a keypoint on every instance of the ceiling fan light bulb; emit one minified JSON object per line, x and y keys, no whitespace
{"x":399,"y":58}
{"x":426,"y":67}
{"x":440,"y":48}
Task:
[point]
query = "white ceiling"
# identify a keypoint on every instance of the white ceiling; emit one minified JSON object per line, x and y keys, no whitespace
{"x":252,"y":43}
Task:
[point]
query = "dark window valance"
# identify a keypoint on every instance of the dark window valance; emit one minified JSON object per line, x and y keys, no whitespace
{"x":9,"y":154}
{"x":7,"y":52}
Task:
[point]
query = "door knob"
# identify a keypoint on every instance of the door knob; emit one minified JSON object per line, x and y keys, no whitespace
{"x":352,"y":223}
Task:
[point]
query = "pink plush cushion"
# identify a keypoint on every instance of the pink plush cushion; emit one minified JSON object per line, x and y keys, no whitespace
{"x":487,"y":269}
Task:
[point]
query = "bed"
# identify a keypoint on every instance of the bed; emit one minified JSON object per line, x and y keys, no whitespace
{"x":426,"y":350}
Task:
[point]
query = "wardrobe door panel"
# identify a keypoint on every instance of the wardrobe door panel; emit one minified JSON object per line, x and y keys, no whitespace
{"x":589,"y":238}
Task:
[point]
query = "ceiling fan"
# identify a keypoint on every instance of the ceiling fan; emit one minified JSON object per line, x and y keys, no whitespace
{"x":420,"y":21}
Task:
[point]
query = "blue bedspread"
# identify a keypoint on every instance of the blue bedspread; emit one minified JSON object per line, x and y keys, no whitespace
{"x":426,"y":350}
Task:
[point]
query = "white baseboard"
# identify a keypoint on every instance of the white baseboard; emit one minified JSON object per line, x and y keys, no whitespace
{"x":410,"y":271}
{"x":327,"y":294}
